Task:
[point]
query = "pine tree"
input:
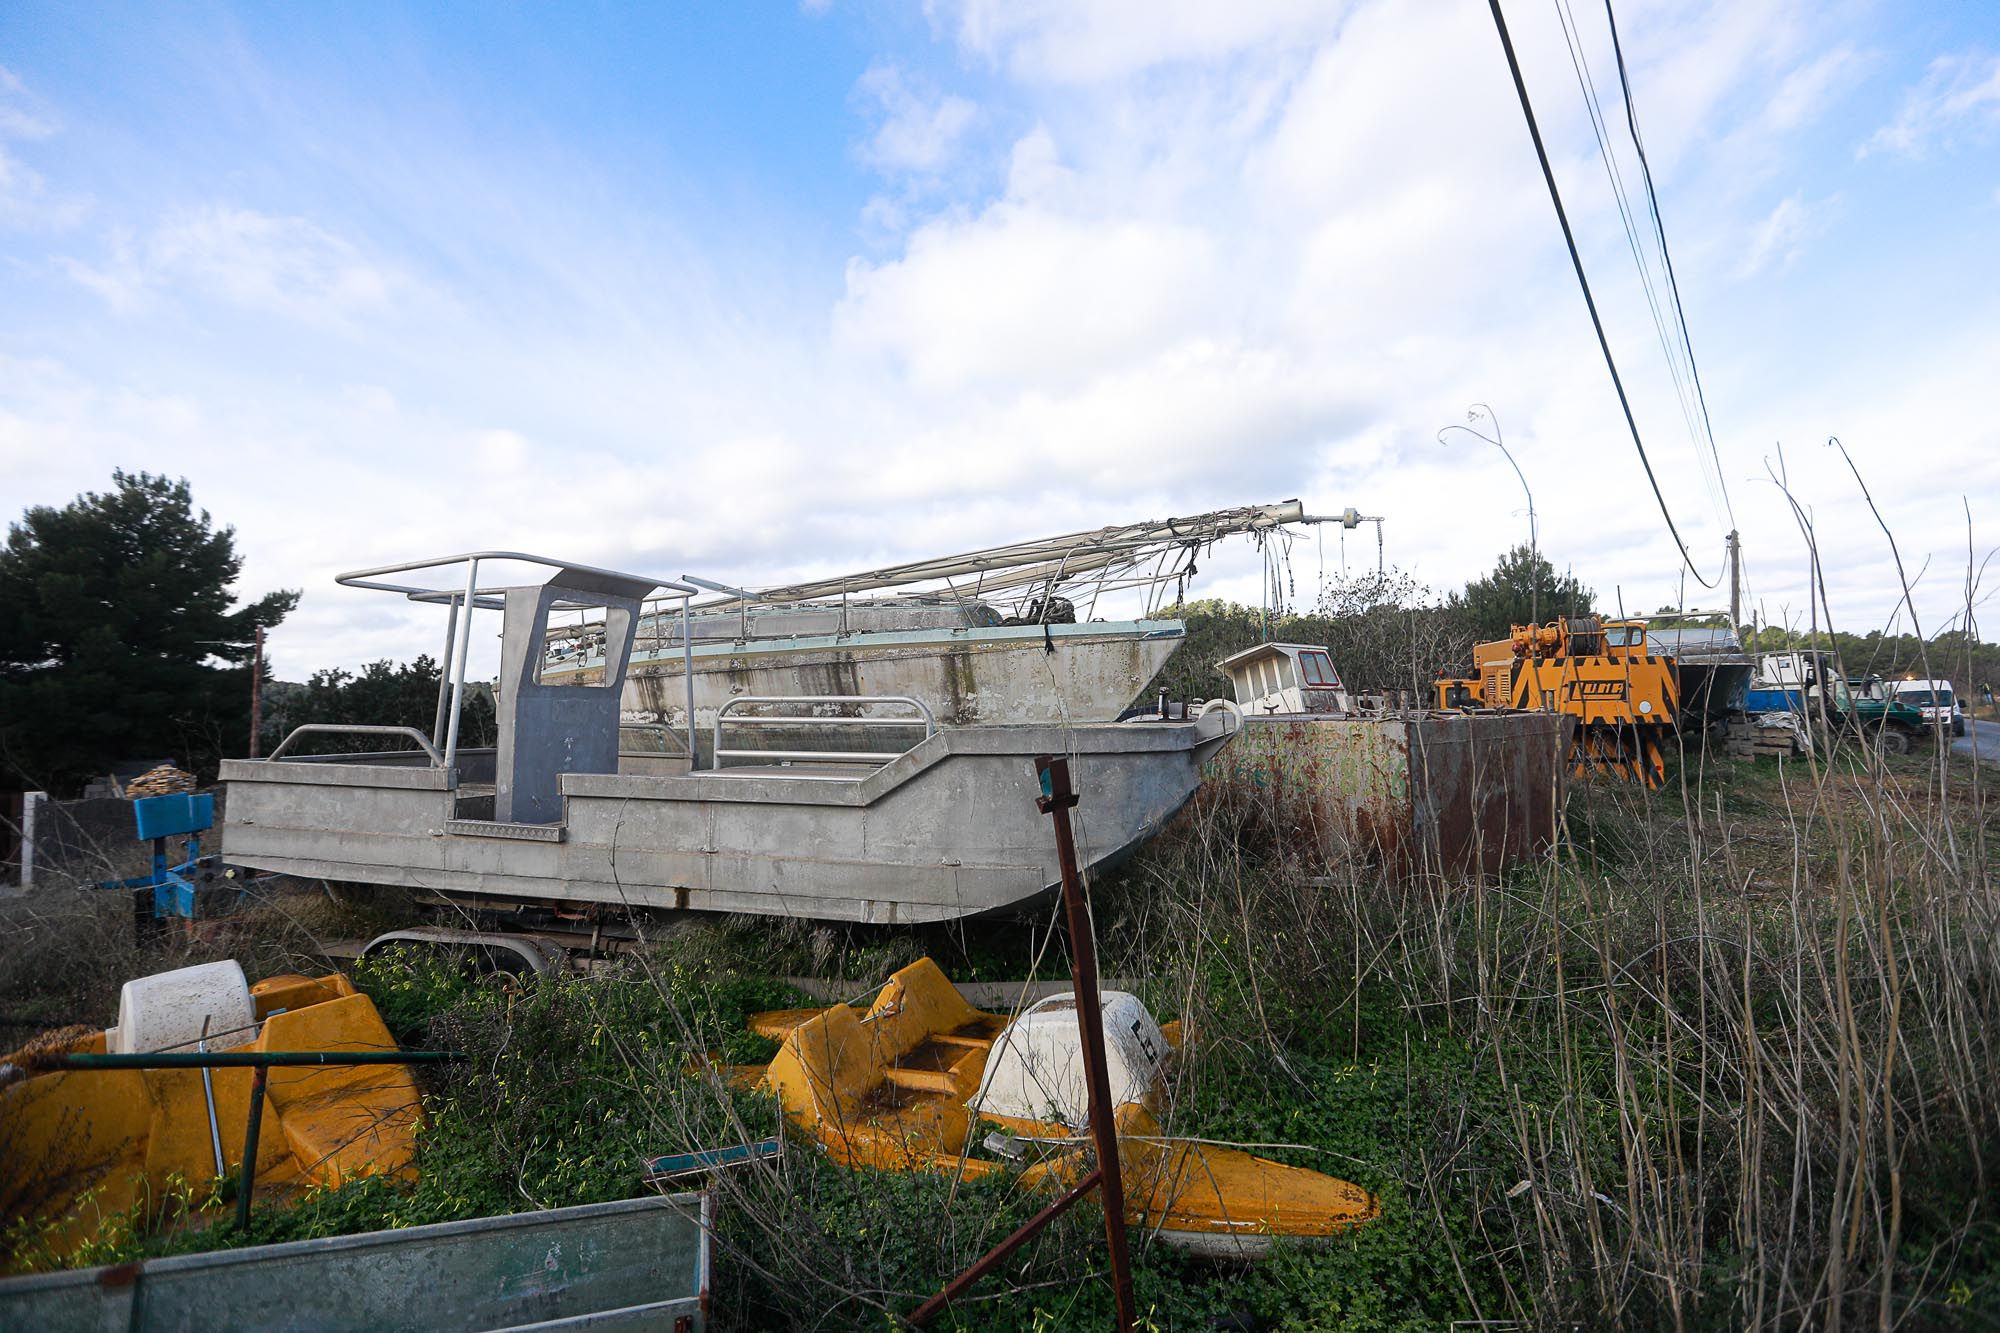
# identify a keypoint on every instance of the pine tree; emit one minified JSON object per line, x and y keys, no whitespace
{"x":112,"y":611}
{"x":1523,"y":588}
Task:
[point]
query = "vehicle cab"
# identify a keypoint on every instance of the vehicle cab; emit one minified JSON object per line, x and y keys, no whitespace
{"x":1285,"y":678}
{"x":1625,"y":638}
{"x":1932,"y":698}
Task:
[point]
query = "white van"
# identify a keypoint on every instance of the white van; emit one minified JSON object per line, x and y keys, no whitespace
{"x":1934,"y":699}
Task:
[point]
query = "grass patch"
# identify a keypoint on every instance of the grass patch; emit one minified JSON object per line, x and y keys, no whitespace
{"x":1720,"y":1062}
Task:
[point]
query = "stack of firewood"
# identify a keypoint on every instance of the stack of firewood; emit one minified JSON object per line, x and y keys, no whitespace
{"x":164,"y":780}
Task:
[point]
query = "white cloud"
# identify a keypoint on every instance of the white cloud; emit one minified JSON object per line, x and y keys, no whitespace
{"x":1025,"y":295}
{"x":1698,"y":74}
{"x":915,"y":133}
{"x":26,"y":201}
{"x":284,"y":266}
{"x":1177,"y":257}
{"x":22,"y":114}
{"x":1082,"y":41}
{"x":1807,"y":92}
{"x":1959,"y":95}
{"x":1222,"y":277}
{"x":1783,"y":233}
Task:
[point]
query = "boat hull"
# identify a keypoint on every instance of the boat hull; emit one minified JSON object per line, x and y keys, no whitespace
{"x":945,"y":831}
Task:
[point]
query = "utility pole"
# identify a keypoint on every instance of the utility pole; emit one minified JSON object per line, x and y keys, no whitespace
{"x":1735,"y":581}
{"x":256,"y":682}
{"x":257,"y":692}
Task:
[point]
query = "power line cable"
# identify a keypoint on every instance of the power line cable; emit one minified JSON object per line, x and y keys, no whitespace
{"x":1681,"y":375}
{"x":1659,"y":227}
{"x":1576,"y":262}
{"x":1600,"y":128}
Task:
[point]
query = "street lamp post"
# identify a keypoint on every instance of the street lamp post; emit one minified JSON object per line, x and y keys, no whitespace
{"x":1473,"y":413}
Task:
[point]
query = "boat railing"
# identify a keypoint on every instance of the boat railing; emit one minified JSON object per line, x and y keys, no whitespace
{"x":462,"y":602}
{"x":799,"y":714}
{"x":360,"y":729}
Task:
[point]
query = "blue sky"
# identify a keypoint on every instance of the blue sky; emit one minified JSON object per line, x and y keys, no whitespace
{"x":756,"y":292}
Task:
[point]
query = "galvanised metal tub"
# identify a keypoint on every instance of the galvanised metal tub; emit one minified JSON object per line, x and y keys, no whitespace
{"x":639,"y":1263}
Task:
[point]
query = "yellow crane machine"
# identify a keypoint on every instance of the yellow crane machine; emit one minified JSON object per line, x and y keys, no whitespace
{"x":1601,"y":672}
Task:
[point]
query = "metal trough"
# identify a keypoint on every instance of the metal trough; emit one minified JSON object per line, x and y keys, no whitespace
{"x":639,"y":1263}
{"x":1449,"y":793}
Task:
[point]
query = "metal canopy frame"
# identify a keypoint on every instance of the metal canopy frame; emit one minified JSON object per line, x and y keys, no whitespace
{"x":458,"y":629}
{"x":372,"y":578}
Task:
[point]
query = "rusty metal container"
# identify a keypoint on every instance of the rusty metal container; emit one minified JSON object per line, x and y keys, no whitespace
{"x":1449,"y":793}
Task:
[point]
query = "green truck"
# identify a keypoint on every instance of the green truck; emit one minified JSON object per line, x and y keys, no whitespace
{"x":1872,"y":706}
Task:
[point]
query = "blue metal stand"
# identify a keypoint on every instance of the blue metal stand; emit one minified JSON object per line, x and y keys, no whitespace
{"x":175,"y":887}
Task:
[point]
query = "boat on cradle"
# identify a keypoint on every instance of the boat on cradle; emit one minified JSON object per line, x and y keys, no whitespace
{"x":939,"y":826}
{"x":967,"y":675}
{"x":910,"y":1082}
{"x":1711,"y":664}
{"x":1001,"y":636}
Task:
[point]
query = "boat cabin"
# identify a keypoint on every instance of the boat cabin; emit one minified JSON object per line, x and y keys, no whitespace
{"x":1285,"y":678}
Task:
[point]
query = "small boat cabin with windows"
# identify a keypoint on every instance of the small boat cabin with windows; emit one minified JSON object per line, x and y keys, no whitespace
{"x":1286,"y":678}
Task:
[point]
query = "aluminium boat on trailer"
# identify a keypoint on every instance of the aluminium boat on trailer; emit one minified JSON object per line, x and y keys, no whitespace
{"x":905,"y":821}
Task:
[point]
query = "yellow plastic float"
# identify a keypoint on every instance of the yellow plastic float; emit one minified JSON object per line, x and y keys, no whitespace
{"x":905,"y":1084}
{"x":78,"y":1146}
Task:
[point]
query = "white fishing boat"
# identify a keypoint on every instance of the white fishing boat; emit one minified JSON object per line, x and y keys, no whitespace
{"x":1005,"y":636}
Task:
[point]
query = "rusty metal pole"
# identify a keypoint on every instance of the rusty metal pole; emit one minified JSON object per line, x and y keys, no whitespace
{"x":991,"y":1260}
{"x":251,"y":1133}
{"x":1056,"y":800}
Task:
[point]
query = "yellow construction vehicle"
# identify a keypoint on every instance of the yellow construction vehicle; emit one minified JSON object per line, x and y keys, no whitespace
{"x":1602,"y":673}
